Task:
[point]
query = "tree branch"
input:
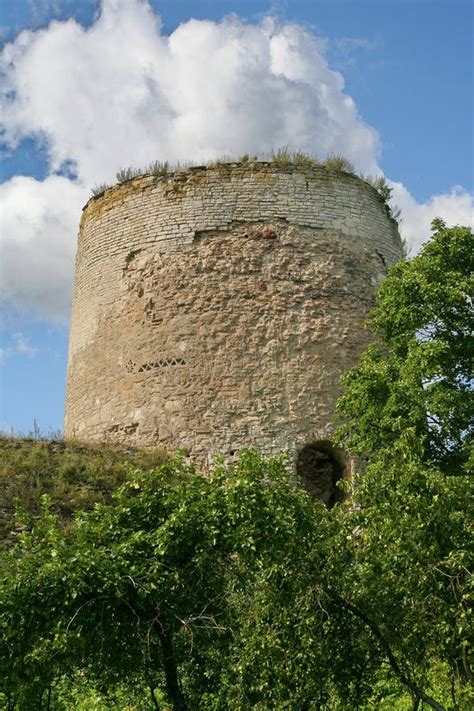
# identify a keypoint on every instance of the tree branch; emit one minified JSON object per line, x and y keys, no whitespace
{"x":416,"y":692}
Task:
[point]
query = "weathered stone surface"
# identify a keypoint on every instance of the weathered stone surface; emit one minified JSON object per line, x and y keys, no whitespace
{"x":217,"y":308}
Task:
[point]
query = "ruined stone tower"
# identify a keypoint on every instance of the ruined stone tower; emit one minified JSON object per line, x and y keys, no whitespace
{"x":216,"y":308}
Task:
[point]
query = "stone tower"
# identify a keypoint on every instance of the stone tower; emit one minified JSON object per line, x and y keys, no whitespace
{"x":216,"y":308}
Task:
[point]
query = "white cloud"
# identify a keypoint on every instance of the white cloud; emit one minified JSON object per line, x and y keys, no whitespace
{"x":39,"y":222}
{"x":21,"y":345}
{"x":455,"y":208}
{"x":121,"y":93}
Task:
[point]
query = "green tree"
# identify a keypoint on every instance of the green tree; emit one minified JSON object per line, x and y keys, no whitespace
{"x":406,"y":543}
{"x":414,"y":384}
{"x":152,"y":587}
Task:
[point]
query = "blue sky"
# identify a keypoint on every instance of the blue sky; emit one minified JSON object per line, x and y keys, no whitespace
{"x":388,"y":83}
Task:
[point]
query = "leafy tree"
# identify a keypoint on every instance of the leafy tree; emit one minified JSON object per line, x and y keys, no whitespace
{"x":152,"y":588}
{"x":406,"y":543}
{"x":414,"y":385}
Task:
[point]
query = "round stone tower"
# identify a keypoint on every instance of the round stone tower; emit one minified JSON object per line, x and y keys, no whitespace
{"x":216,"y":308}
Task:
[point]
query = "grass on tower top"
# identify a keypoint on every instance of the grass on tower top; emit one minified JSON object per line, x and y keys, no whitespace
{"x":280,"y":157}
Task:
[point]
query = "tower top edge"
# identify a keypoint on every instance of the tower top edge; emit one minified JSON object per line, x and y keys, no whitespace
{"x":227,"y":169}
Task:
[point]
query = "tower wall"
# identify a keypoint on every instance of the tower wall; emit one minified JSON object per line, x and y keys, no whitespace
{"x":216,"y":308}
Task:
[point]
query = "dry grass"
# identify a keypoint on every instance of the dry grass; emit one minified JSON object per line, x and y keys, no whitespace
{"x":338,"y":163}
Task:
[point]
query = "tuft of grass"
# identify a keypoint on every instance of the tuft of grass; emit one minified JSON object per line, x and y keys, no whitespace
{"x":159,"y":168}
{"x":301,"y":158}
{"x":385,"y":191}
{"x":180,"y":166}
{"x":380,"y":184}
{"x":246,"y":158}
{"x":220,"y":161}
{"x":281,"y":157}
{"x":125,"y":174}
{"x":284,"y":156}
{"x":99,"y":189}
{"x":338,"y":162}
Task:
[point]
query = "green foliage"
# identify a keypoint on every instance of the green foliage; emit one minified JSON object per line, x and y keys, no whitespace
{"x":414,"y":386}
{"x":406,"y":548}
{"x":225,"y":592}
{"x":82,"y":692}
{"x":151,"y":586}
{"x":407,"y":543}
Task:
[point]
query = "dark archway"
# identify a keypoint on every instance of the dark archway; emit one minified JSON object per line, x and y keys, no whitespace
{"x":321,"y":465}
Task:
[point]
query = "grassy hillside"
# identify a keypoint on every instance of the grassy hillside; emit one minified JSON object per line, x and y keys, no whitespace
{"x":73,"y":475}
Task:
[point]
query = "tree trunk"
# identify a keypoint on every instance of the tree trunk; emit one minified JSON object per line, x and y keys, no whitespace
{"x":173,"y":687}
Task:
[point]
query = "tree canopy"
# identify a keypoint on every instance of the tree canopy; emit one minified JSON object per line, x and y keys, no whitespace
{"x":408,"y":409}
{"x":153,"y":587}
{"x":415,"y":383}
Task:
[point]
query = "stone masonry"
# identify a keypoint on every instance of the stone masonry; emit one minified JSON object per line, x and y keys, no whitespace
{"x":216,"y":308}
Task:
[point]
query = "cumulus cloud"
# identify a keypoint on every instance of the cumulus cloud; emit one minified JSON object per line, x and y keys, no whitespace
{"x":121,"y":93}
{"x":39,"y":222}
{"x":455,"y":207}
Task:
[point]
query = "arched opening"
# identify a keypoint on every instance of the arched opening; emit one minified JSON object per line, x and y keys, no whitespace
{"x":321,"y":465}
